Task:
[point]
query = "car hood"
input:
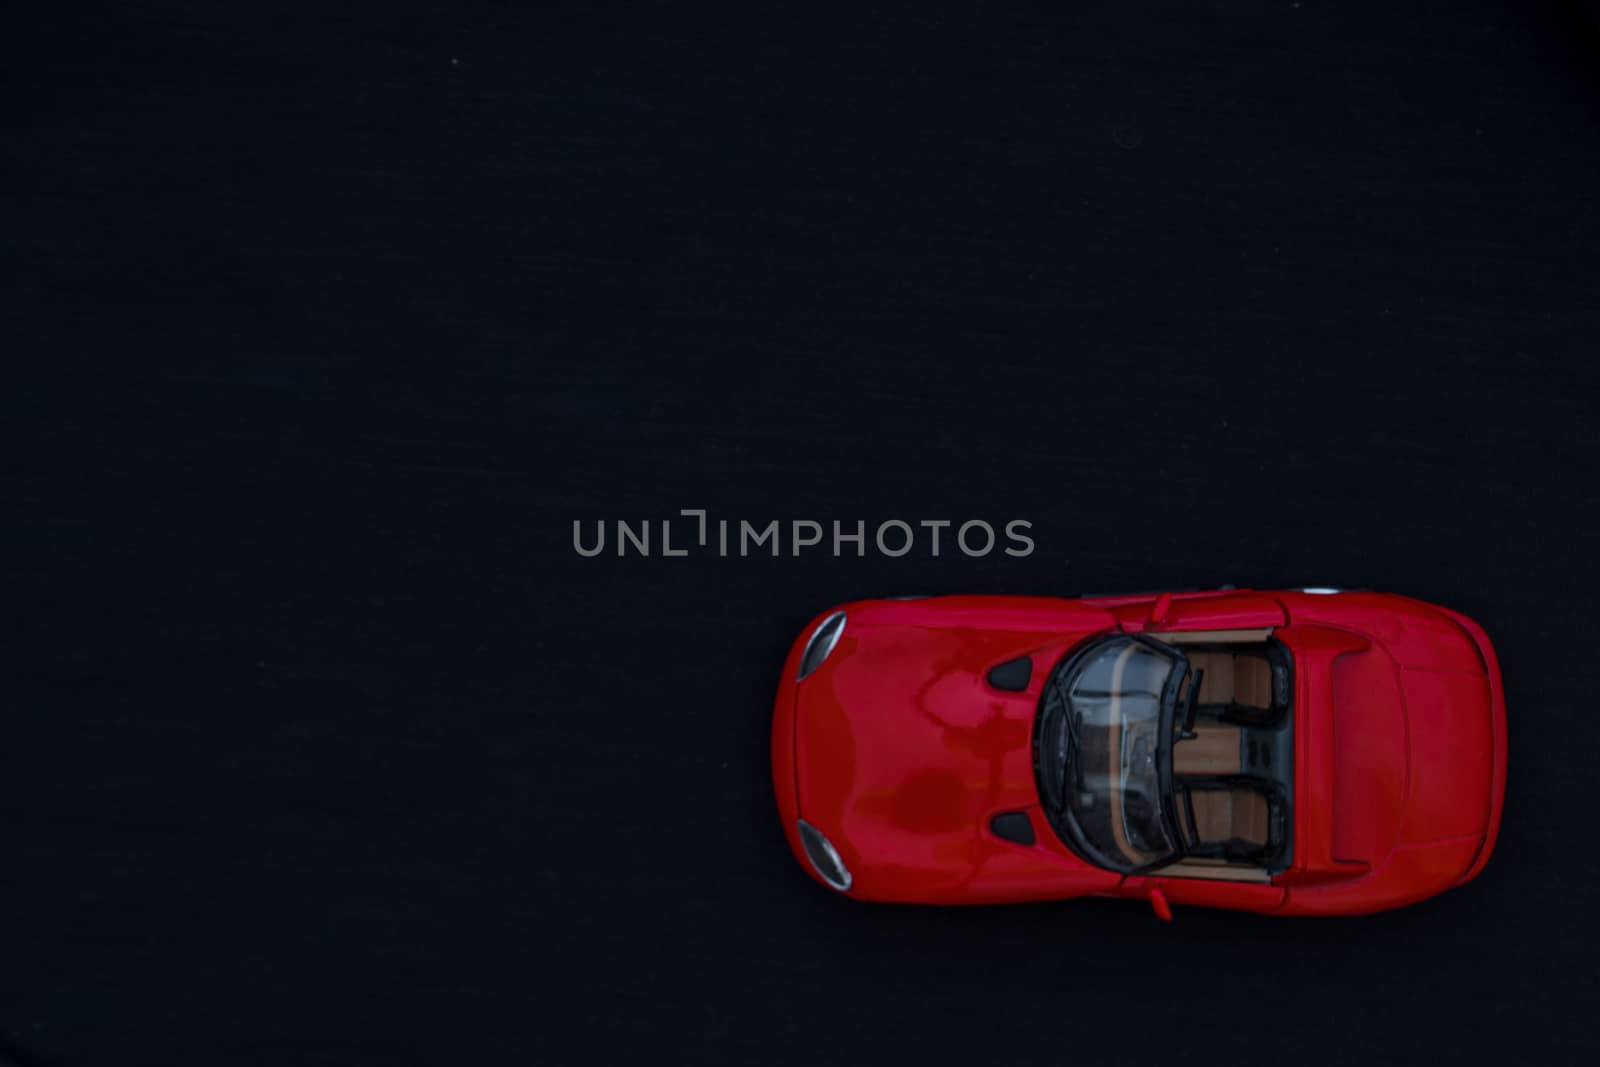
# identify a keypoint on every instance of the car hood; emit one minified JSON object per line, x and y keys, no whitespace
{"x":904,"y":752}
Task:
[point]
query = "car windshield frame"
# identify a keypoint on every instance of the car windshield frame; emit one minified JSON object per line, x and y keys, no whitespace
{"x":1084,"y":723}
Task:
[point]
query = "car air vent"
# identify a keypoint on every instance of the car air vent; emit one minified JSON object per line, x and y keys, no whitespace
{"x":1013,"y":826}
{"x":1012,"y":675}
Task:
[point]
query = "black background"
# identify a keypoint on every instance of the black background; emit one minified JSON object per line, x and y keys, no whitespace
{"x":318,"y":741}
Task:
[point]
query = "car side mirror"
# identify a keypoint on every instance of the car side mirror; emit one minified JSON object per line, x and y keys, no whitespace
{"x":1159,"y":905}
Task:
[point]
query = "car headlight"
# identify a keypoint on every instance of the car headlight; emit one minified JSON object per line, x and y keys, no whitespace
{"x":821,"y":643}
{"x":824,"y":857}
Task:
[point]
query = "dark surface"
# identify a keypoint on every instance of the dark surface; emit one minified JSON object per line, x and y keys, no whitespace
{"x":319,"y":743}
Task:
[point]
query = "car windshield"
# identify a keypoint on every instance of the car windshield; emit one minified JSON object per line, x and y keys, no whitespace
{"x":1104,"y":773}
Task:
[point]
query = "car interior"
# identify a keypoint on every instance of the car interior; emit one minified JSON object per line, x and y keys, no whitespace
{"x":1233,"y":761}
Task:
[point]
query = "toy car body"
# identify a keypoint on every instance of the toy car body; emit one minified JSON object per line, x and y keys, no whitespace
{"x":1288,"y":752}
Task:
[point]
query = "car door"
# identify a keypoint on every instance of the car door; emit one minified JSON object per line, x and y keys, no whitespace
{"x":1203,"y":888}
{"x":1199,"y":887}
{"x":1213,"y":610}
{"x":1234,"y":610}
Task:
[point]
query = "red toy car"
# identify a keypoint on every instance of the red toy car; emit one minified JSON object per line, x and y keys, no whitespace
{"x":1295,"y":752}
